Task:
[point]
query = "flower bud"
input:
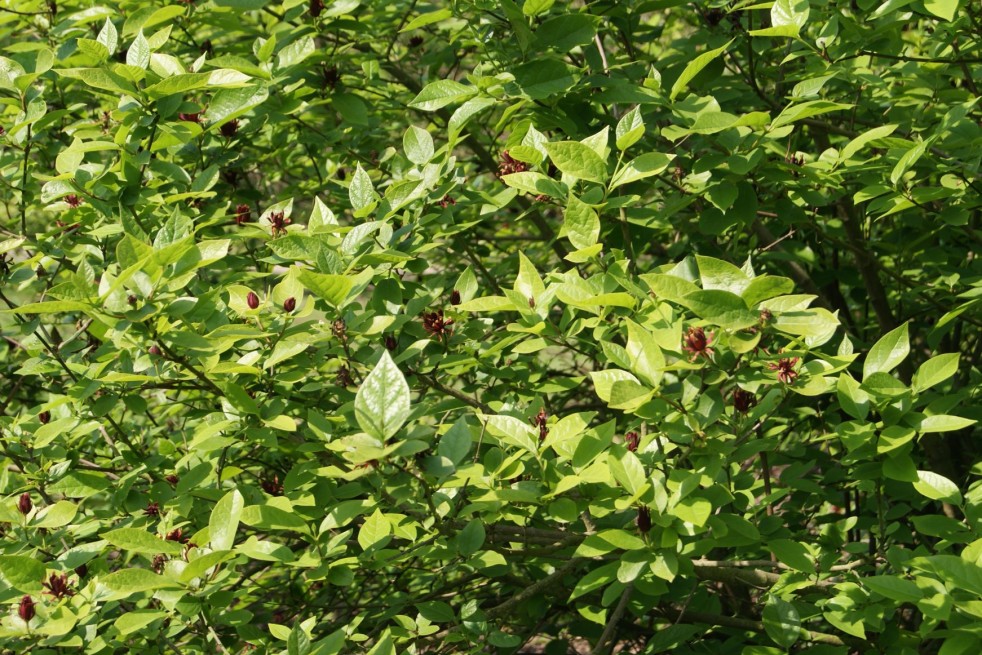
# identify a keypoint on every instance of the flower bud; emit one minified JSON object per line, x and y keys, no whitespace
{"x":455,"y":297}
{"x":24,"y":504}
{"x":644,"y":520}
{"x":44,"y":416}
{"x":289,"y":304}
{"x":252,"y":300}
{"x":26,"y":609}
{"x":154,"y":350}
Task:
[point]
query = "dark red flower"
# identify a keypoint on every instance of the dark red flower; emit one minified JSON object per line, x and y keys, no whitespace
{"x":631,"y":441}
{"x":436,"y":324}
{"x":644,"y":520}
{"x":340,"y":329}
{"x":73,"y":200}
{"x":331,"y":77}
{"x":173,"y":479}
{"x":57,"y":586}
{"x":190,"y":118}
{"x":316,"y":7}
{"x":157,"y":563}
{"x":415,"y":42}
{"x":539,"y":421}
{"x":278,"y":223}
{"x":272,"y":487}
{"x":785,"y":369}
{"x":454,"y":297}
{"x":242,"y":214}
{"x":44,"y":416}
{"x":2,"y":131}
{"x":230,"y":128}
{"x":289,"y":304}
{"x":447,"y":200}
{"x":26,"y":609}
{"x":391,"y":343}
{"x":509,"y":165}
{"x":24,"y":503}
{"x":765,"y":316}
{"x":343,"y":377}
{"x":252,"y":300}
{"x":743,"y":401}
{"x":154,"y":350}
{"x":153,"y":509}
{"x":696,"y":342}
{"x":177,"y":534}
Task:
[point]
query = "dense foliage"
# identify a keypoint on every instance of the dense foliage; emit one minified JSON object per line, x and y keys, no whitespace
{"x":490,"y":326}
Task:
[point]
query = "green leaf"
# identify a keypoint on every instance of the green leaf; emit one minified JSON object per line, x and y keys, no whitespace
{"x":781,"y":621}
{"x":935,"y":371}
{"x":224,"y":520}
{"x":543,"y":78}
{"x":869,"y":136}
{"x":789,"y":12}
{"x":694,"y":67}
{"x":937,"y":487}
{"x":647,"y":359}
{"x":138,"y":540}
{"x":471,"y":538}
{"x":440,"y":94}
{"x":418,"y":145}
{"x":139,"y":52}
{"x":375,"y":528}
{"x":629,"y":129}
{"x":891,"y":349}
{"x":361,"y":192}
{"x":332,"y":288}
{"x":946,"y":9}
{"x":577,"y":160}
{"x":853,"y":400}
{"x":627,"y":469}
{"x":55,"y":516}
{"x":801,"y":111}
{"x":108,"y":37}
{"x":793,"y":554}
{"x":382,"y":401}
{"x":295,"y":52}
{"x":581,"y":222}
{"x":23,"y":573}
{"x":943,"y":423}
{"x":126,"y":582}
{"x":894,"y":588}
{"x":721,"y":308}
{"x":646,"y":165}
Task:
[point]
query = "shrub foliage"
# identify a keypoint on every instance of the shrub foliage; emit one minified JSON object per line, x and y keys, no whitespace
{"x":402,"y":327}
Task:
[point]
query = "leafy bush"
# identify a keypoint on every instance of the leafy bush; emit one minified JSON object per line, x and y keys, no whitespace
{"x":490,"y":326}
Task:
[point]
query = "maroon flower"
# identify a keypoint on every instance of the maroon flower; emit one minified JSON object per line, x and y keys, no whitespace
{"x":242,"y":214}
{"x":44,"y":416}
{"x":131,"y":299}
{"x":289,"y":304}
{"x":73,"y":200}
{"x":157,"y":563}
{"x":644,"y":520}
{"x":447,"y":200}
{"x":743,"y":401}
{"x":331,"y":77}
{"x":765,"y":316}
{"x":252,"y":300}
{"x":26,"y":609}
{"x":272,"y":487}
{"x":454,"y":297}
{"x":539,"y":421}
{"x":436,"y":324}
{"x":632,"y":441}
{"x":177,"y":534}
{"x":152,"y":510}
{"x":2,"y":131}
{"x":230,"y":128}
{"x":190,"y":118}
{"x":415,"y":42}
{"x":57,"y":586}
{"x":509,"y":165}
{"x":173,"y":479}
{"x":340,"y":330}
{"x":391,"y":343}
{"x":785,"y":369}
{"x":316,"y":7}
{"x":154,"y":350}
{"x":696,"y":342}
{"x":343,"y":377}
{"x":278,"y":223}
{"x":24,"y":504}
